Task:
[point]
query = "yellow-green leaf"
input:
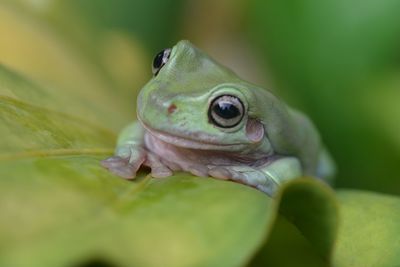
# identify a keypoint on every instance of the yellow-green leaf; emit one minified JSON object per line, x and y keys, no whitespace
{"x":370,"y":230}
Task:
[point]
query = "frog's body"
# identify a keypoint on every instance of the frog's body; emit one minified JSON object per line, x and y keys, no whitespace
{"x":198,"y":116}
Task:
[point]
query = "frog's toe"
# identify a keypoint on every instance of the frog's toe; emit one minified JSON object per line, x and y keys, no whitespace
{"x":198,"y":170}
{"x":220,"y":173}
{"x":239,"y":174}
{"x":122,"y":167}
{"x":172,"y":165}
{"x":227,"y":173}
{"x":127,"y":171}
{"x":250,"y":177}
{"x":160,"y":172}
{"x":112,"y":162}
{"x":158,"y":169}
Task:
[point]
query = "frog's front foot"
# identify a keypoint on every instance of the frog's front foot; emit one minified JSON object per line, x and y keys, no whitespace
{"x":246,"y":175}
{"x":128,"y":159}
{"x":120,"y":166}
{"x":126,"y":162}
{"x":266,"y":178}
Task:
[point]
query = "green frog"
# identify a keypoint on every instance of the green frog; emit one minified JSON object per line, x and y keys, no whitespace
{"x":198,"y":116}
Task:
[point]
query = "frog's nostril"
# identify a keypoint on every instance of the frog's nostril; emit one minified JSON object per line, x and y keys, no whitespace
{"x":171,"y":108}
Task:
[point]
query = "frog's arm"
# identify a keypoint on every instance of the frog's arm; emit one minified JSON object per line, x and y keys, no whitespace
{"x":131,"y":136}
{"x":129,"y":153}
{"x":266,"y":178}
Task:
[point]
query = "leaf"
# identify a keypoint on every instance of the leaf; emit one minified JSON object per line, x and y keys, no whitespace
{"x":370,"y":230}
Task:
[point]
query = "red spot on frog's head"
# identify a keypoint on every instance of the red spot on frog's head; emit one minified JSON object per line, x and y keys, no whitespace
{"x":171,"y":108}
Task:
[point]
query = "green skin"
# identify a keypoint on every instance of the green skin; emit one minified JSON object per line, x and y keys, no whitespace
{"x":270,"y":144}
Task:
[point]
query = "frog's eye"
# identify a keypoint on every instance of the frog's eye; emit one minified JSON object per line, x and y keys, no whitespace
{"x":226,"y":111}
{"x":160,"y":59}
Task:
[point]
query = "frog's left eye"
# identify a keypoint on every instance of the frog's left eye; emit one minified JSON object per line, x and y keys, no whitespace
{"x":226,"y":111}
{"x":160,"y":59}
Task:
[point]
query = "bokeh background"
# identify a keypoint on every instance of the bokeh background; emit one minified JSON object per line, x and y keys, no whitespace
{"x":336,"y":60}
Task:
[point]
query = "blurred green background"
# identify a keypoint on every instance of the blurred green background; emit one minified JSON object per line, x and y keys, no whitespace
{"x":336,"y":60}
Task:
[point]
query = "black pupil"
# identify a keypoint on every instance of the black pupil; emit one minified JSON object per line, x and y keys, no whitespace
{"x":226,"y":110}
{"x":158,"y":60}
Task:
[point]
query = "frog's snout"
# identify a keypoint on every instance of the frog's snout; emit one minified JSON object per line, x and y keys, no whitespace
{"x":172,"y":108}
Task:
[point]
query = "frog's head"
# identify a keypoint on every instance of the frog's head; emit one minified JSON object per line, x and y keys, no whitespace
{"x":192,"y":101}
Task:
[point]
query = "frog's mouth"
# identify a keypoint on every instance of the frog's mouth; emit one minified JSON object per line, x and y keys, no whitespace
{"x":190,"y":142}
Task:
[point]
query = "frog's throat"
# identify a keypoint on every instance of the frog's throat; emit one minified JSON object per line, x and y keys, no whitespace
{"x":188,"y":142}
